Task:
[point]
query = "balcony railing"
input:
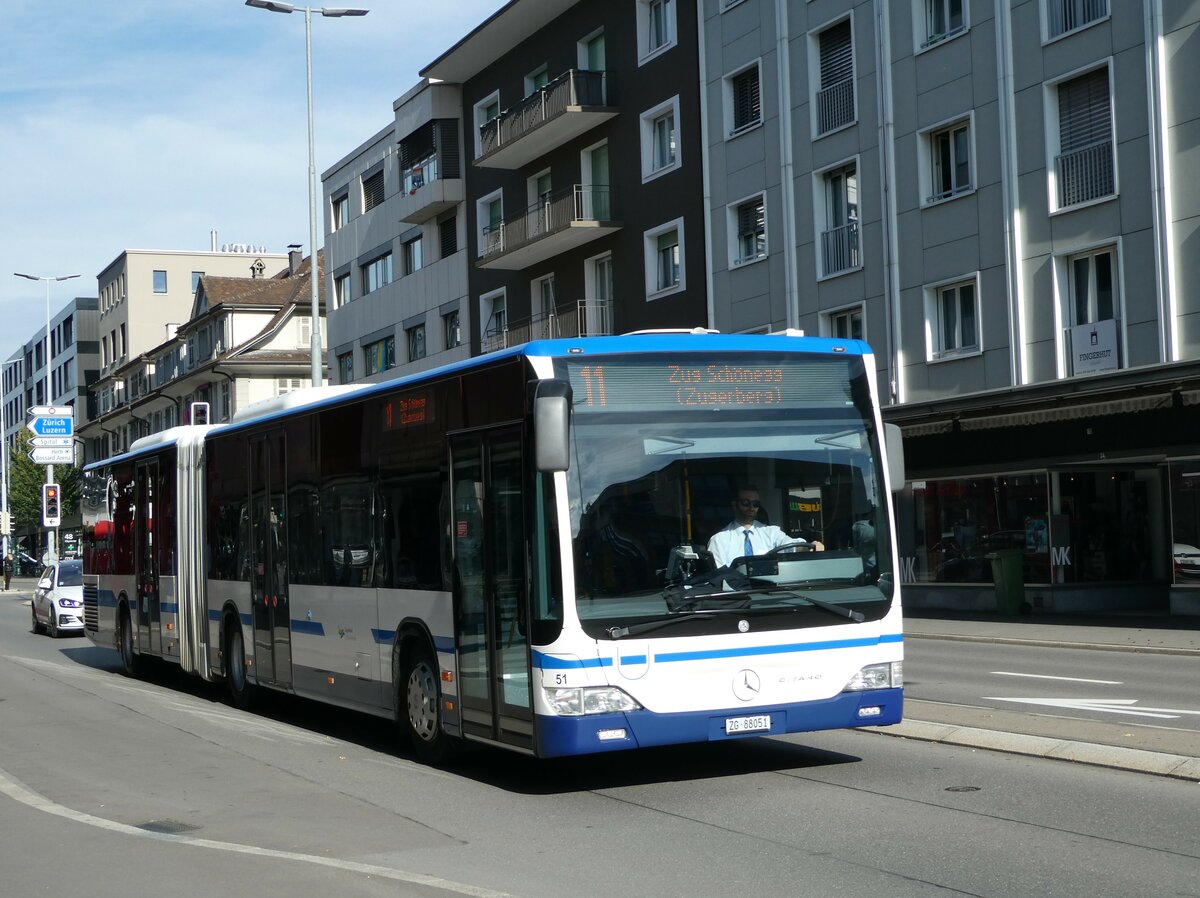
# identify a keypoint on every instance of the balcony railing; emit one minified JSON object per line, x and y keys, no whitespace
{"x":1085,"y":174}
{"x":571,"y":88}
{"x":1067,"y":15}
{"x":839,"y":248}
{"x":588,"y":318}
{"x":835,"y":106}
{"x":553,"y":213}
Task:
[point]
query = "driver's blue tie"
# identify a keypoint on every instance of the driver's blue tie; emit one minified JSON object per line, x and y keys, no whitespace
{"x":748,"y":548}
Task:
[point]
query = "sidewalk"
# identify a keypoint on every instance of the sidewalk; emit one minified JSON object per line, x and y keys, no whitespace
{"x":1116,"y":632}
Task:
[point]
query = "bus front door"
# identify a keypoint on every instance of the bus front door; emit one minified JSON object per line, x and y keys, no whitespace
{"x":488,"y":527}
{"x":268,"y":562}
{"x":149,"y":615}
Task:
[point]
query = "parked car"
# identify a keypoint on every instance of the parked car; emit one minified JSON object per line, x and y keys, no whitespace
{"x":27,"y":565}
{"x":58,"y":599}
{"x":1186,"y":560}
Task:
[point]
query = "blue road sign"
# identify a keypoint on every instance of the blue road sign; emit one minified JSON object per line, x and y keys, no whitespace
{"x":58,"y":426}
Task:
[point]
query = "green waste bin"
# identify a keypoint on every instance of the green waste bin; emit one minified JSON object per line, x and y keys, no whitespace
{"x":1008,"y":573}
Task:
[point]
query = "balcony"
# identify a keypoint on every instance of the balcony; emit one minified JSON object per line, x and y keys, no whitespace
{"x":839,"y":249}
{"x":564,"y":220}
{"x":1085,"y":174}
{"x":588,"y":318}
{"x":571,"y":104}
{"x":429,"y":189}
{"x":835,"y":106}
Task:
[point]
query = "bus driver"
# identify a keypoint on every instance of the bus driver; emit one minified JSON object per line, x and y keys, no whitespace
{"x":746,"y":535}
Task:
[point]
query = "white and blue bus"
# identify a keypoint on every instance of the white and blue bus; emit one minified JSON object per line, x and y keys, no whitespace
{"x":514,"y":549}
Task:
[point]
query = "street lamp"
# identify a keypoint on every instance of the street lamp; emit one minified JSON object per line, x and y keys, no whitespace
{"x":51,"y":532}
{"x":329,"y":13}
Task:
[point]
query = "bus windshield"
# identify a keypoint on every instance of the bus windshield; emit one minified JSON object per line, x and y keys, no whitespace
{"x":672,"y":464}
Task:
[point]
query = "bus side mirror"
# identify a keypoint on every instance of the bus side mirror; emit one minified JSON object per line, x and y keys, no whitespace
{"x":893,"y":445}
{"x":552,"y":425}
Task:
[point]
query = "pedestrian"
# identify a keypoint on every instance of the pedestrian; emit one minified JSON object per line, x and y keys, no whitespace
{"x":8,"y":570}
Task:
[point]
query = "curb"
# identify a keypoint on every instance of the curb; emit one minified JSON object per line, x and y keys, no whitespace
{"x":1133,"y":759}
{"x":1056,"y":644}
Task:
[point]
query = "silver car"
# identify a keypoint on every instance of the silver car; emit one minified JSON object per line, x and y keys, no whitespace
{"x":58,"y":599}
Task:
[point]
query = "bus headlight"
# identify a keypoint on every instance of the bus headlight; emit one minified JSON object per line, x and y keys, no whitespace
{"x":877,"y":676}
{"x":589,"y":700}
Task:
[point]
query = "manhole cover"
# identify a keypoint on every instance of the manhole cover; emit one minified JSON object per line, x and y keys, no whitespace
{"x":963,"y":789}
{"x":167,"y":827}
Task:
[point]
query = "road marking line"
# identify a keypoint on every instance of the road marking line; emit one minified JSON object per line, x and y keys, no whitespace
{"x":15,"y":790}
{"x":1109,"y":705}
{"x":1006,"y":673}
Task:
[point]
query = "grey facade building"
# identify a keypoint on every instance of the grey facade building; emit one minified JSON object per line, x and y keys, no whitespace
{"x":1000,"y":197}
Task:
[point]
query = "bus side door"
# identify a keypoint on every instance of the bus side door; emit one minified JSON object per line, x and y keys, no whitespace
{"x":149,"y":615}
{"x":270,"y":607}
{"x":491,"y":607}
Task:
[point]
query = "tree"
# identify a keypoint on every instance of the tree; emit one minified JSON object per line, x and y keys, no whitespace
{"x":25,"y":485}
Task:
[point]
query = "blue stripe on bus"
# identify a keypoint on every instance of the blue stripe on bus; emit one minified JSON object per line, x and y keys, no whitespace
{"x":444,"y":644}
{"x":168,"y":607}
{"x":308,"y":627}
{"x":546,"y":662}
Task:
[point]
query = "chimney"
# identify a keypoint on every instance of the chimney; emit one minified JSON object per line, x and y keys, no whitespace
{"x":294,"y":257}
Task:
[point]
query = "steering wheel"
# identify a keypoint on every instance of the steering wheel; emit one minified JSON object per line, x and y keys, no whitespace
{"x":795,"y":545}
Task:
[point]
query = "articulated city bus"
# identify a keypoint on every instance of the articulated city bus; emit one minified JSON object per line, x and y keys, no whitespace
{"x":519,"y":549}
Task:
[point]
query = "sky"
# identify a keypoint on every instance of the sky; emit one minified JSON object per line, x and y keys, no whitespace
{"x":147,"y":124}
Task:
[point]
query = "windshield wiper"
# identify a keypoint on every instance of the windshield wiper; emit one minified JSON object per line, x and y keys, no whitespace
{"x":839,"y":610}
{"x":651,"y":625}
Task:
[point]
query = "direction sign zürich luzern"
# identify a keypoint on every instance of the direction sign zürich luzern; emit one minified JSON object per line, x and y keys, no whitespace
{"x":53,"y":426}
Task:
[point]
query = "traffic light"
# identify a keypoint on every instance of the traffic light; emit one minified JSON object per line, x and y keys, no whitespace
{"x":51,"y":510}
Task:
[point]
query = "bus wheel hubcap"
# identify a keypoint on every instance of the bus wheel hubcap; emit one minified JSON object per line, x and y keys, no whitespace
{"x":422,"y":698}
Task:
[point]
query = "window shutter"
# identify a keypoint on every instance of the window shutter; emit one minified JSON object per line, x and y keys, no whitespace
{"x":372,"y":188}
{"x":747,"y":105}
{"x":837,"y":55}
{"x":1083,"y":111}
{"x":750,"y":218}
{"x":448,"y":237}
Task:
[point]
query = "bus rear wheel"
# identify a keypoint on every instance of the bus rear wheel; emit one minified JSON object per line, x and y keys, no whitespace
{"x":131,"y":662}
{"x":418,"y":706}
{"x":241,"y":690}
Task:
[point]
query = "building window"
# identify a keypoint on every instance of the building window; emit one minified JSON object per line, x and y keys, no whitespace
{"x":748,"y":223}
{"x":379,"y":356}
{"x":1092,"y":276}
{"x":943,"y":20}
{"x":664,"y":252}
{"x":660,"y":144}
{"x":339,"y":208}
{"x":493,"y":312}
{"x":346,"y":367}
{"x":536,"y":80}
{"x":196,"y":275}
{"x":487,"y":132}
{"x":451,"y":329}
{"x":1084,"y":166}
{"x":160,"y":282}
{"x":448,"y":237}
{"x":489,"y":217}
{"x":412,"y":255}
{"x":1063,"y":16}
{"x":377,"y":273}
{"x":655,"y":27}
{"x":341,"y":290}
{"x":835,"y":78}
{"x":954,"y":319}
{"x":839,"y":235}
{"x":743,"y":100}
{"x":372,"y":190}
{"x":416,"y":342}
{"x":949,"y":151}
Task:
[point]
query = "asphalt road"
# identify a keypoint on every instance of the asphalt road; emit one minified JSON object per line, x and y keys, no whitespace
{"x":117,"y":787}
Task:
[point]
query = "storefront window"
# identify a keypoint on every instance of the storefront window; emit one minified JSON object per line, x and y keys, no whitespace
{"x":1109,"y":525}
{"x":947,"y":528}
{"x":1185,"y":520}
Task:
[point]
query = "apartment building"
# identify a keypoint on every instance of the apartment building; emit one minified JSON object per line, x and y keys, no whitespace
{"x":998,"y":197}
{"x":583,"y":182}
{"x":395,"y":243}
{"x":144,"y":298}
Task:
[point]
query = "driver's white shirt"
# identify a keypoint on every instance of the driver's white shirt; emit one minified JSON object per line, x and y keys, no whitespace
{"x":730,"y":543}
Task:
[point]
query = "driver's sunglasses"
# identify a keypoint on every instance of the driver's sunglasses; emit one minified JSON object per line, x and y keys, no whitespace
{"x":749,"y":503}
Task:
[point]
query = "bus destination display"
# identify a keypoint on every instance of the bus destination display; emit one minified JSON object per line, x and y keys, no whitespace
{"x":622,"y":386}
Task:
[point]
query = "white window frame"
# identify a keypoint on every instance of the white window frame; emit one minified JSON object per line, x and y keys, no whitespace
{"x":1053,"y":136}
{"x":650,"y":251}
{"x":478,"y":119}
{"x":341,"y":290}
{"x":645,"y":51}
{"x":340,"y":200}
{"x":581,"y":49}
{"x":821,"y":216}
{"x":934,"y":350}
{"x":926,"y":155}
{"x":814,"y":75}
{"x":483,"y":220}
{"x":531,"y":79}
{"x":924,"y":38}
{"x":1048,"y":38}
{"x":648,"y":119}
{"x":733,"y":240}
{"x":828,"y":319}
{"x":488,"y":303}
{"x":732,"y":131}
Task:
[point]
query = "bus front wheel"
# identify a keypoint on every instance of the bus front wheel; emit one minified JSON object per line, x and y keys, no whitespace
{"x":131,"y":662}
{"x":418,"y":705}
{"x":241,"y":690}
